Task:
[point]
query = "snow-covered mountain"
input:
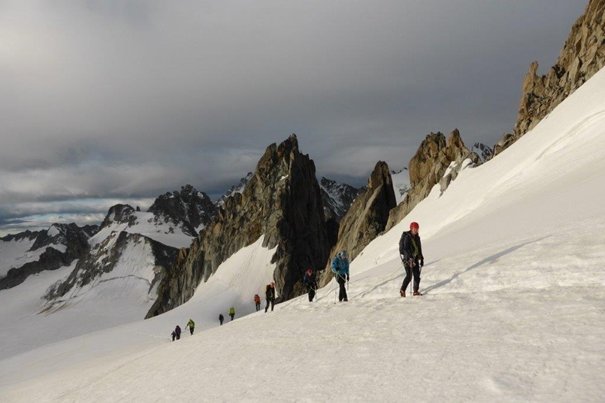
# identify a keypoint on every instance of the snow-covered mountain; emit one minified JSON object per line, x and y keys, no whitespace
{"x":336,"y":197}
{"x":101,"y":276}
{"x":124,"y":268}
{"x":484,"y":153}
{"x":174,"y":219}
{"x":135,"y":246}
{"x":514,"y":298}
{"x":14,"y":250}
{"x":188,"y":210}
{"x":28,"y":253}
{"x":401,"y":183}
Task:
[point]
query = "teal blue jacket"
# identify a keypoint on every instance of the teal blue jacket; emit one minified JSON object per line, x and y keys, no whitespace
{"x":340,"y":267}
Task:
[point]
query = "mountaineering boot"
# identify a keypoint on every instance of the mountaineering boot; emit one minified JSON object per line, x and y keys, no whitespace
{"x":417,"y":293}
{"x":402,"y":292}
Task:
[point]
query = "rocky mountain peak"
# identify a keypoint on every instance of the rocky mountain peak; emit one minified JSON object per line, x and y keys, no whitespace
{"x":367,"y":216}
{"x":428,"y":166}
{"x":581,"y":57}
{"x":282,"y":203}
{"x":187,"y":207}
{"x":119,"y":213}
{"x":454,"y":146}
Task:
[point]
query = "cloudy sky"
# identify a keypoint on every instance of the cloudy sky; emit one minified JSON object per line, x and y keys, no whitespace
{"x":121,"y":100}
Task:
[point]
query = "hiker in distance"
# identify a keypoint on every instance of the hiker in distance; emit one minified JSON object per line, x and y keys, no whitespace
{"x":232,"y":312}
{"x":340,"y":268}
{"x":270,"y":296}
{"x":221,"y":318}
{"x":410,"y":250}
{"x":257,"y":302}
{"x":190,"y":325}
{"x":310,"y":282}
{"x":176,"y":333}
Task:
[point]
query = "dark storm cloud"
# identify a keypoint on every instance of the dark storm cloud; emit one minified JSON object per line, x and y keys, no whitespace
{"x":119,"y":99}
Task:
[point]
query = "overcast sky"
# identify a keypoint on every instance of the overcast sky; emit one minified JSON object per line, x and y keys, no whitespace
{"x":121,"y":100}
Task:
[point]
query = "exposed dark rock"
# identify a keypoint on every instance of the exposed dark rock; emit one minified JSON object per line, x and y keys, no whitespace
{"x":103,"y":259}
{"x":367,"y":216}
{"x":120,"y":214}
{"x":188,"y":208}
{"x":427,"y":168}
{"x":282,"y":202}
{"x":337,"y":197}
{"x":30,"y":235}
{"x":70,"y":237}
{"x":482,"y":153}
{"x":581,"y":57}
{"x":239,"y":188}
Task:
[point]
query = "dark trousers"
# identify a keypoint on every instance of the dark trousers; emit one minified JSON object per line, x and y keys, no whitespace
{"x":409,"y":271}
{"x":342,"y":294}
{"x":221,"y":320}
{"x":232,"y":315}
{"x":270,"y":302}
{"x":191,"y":330}
{"x":311,"y":292}
{"x":257,"y":306}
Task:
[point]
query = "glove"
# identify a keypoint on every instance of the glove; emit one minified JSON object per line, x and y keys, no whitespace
{"x":422,"y":262}
{"x":411,"y":262}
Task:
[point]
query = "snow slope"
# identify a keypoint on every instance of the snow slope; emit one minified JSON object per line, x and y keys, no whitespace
{"x":513,"y":307}
{"x":146,"y":224}
{"x":15,"y":253}
{"x":120,"y":296}
{"x":235,"y":283}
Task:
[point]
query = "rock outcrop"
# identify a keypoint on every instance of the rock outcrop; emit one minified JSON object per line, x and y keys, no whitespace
{"x":483,"y":153}
{"x":427,"y":168}
{"x":368,"y":215}
{"x":581,"y":57}
{"x":239,"y":188}
{"x":282,"y":203}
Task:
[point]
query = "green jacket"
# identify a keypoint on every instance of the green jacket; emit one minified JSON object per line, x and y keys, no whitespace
{"x":232,"y":311}
{"x":191,"y":324}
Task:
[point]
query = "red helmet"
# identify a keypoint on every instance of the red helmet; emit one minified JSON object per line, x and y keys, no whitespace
{"x":414,"y":224}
